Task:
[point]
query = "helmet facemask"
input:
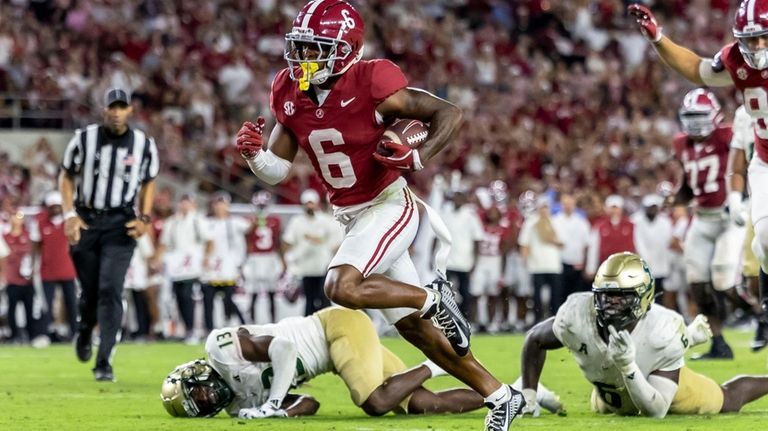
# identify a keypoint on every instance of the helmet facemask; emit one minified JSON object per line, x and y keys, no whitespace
{"x":699,"y":113}
{"x":698,"y":124}
{"x":755,"y":58}
{"x":619,"y":308}
{"x":315,"y":70}
{"x":196,"y":388}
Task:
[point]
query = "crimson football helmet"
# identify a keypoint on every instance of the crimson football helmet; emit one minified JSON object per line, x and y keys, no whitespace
{"x":700,"y":113}
{"x":335,"y":30}
{"x":752,"y":21}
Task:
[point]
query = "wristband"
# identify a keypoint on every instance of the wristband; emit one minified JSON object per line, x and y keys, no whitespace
{"x":69,"y":214}
{"x":145,"y":218}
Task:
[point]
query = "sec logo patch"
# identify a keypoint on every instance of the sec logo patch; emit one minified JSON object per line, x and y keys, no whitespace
{"x":289,"y":108}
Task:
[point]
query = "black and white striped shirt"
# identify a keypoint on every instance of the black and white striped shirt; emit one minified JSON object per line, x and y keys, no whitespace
{"x":108,"y":170}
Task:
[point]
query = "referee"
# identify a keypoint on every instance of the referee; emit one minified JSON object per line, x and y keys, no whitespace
{"x":105,"y":170}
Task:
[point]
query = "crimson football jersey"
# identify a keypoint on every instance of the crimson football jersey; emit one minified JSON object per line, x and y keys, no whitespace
{"x":491,"y":244}
{"x":340,"y":135}
{"x":754,"y":86}
{"x":265,"y":237}
{"x":705,"y":164}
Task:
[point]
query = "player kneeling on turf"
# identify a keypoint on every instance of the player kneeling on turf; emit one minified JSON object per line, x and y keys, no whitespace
{"x":632,"y":351}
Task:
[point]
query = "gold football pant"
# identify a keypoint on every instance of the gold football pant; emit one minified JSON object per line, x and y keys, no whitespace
{"x":357,"y":354}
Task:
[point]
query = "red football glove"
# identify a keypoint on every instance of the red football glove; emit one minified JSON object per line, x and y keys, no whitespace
{"x":649,"y":27}
{"x":403,"y":157}
{"x":249,"y":138}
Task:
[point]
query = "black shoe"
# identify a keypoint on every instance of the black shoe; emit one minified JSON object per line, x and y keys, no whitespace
{"x":104,"y":374}
{"x":447,"y":316}
{"x":500,"y":417}
{"x":83,"y":345}
{"x":761,"y":337}
{"x":717,"y":351}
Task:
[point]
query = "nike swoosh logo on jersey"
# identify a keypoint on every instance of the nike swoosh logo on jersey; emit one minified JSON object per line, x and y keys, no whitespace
{"x":344,"y":103}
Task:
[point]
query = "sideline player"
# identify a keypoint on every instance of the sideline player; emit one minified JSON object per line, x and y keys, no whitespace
{"x":259,"y":364}
{"x":335,"y":106}
{"x":702,"y":150}
{"x":631,"y":350}
{"x":743,"y":64}
{"x":486,"y":278}
{"x":265,"y":262}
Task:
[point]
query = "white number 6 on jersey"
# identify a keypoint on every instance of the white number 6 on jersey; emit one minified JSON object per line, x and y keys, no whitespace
{"x":325,"y":160}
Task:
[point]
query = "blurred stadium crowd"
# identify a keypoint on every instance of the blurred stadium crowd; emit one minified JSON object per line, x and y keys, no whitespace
{"x":562,"y":109}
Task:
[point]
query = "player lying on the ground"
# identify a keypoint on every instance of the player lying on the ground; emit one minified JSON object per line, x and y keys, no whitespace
{"x":251,"y":369}
{"x":632,"y":352}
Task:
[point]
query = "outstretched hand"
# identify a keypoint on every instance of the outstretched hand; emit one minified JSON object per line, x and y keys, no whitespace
{"x":649,"y":27}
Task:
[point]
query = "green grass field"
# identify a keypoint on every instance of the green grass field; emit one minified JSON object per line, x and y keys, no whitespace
{"x":50,"y":390}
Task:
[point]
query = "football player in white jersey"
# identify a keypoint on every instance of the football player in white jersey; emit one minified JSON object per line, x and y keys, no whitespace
{"x":632,"y":350}
{"x":739,"y":157}
{"x":251,"y":369}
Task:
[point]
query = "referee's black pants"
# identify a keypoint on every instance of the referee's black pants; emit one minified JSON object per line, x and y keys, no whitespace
{"x":101,"y":259}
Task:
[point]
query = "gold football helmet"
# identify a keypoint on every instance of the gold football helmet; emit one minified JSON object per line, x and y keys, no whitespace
{"x":195,"y":389}
{"x":623,"y":290}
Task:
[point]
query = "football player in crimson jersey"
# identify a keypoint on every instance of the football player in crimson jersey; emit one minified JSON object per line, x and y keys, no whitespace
{"x":265,"y":263}
{"x":335,"y":107}
{"x":702,"y":150}
{"x":743,"y":64}
{"x":486,"y":277}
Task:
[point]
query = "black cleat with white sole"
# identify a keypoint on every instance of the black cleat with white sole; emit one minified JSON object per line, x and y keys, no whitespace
{"x":447,"y":316}
{"x":500,"y":417}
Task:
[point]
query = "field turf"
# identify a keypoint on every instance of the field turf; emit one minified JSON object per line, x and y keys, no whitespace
{"x":50,"y":390}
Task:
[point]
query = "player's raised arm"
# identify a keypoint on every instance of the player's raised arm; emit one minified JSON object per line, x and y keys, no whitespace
{"x":443,"y":116}
{"x":653,"y":396}
{"x":282,"y":353}
{"x":538,"y":340}
{"x":271,"y":165}
{"x":687,"y":63}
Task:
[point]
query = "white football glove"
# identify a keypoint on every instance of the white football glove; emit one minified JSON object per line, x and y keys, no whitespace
{"x":532,"y":406}
{"x":267,"y":410}
{"x":736,"y":208}
{"x":621,"y":348}
{"x":699,"y":331}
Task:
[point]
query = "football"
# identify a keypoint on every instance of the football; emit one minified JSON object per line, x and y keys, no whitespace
{"x":404,"y":131}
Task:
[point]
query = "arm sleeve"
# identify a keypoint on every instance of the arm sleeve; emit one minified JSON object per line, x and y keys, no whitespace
{"x":282,"y":354}
{"x":269,"y":168}
{"x":73,"y":155}
{"x":713,"y":74}
{"x":653,"y":395}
